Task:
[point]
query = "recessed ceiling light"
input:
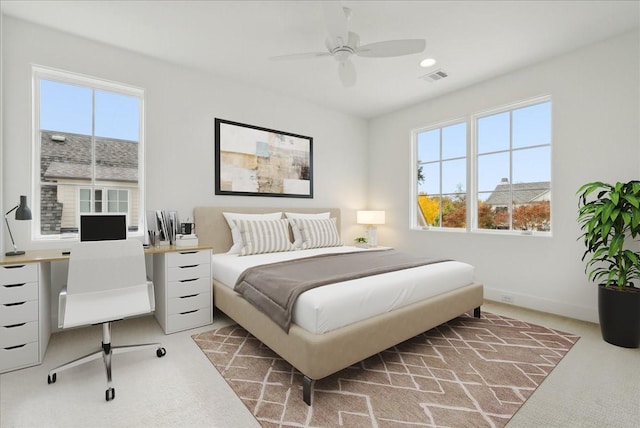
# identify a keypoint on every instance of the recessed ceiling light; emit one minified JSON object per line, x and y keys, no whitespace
{"x":427,"y":62}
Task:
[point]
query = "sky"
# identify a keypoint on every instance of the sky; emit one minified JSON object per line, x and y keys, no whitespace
{"x":531,"y":126}
{"x":68,"y":108}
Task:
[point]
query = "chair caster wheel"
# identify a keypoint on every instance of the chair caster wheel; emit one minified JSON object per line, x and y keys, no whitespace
{"x":110,"y":394}
{"x":51,"y":379}
{"x":161,"y":352}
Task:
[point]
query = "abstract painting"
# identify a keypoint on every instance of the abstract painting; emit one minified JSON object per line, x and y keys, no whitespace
{"x":255,"y":161}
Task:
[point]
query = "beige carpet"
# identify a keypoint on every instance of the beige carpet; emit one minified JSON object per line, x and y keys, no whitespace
{"x":466,"y":373}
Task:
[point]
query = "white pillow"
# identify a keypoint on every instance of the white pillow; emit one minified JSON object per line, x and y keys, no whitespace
{"x":235,"y":232}
{"x":264,"y":236}
{"x":297,"y":236}
{"x":318,"y":233}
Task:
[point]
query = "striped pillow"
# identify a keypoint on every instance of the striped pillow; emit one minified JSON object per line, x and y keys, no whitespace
{"x":317,"y":233}
{"x":263,"y":236}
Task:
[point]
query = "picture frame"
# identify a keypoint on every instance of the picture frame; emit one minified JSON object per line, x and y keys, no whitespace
{"x":256,"y":161}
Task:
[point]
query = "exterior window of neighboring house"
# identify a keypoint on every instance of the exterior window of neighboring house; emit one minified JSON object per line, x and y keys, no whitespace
{"x":117,"y":201}
{"x":507,"y":170}
{"x":88,"y":152}
{"x":442,"y":176}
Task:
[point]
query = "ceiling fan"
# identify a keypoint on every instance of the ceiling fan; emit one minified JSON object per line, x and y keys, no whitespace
{"x":342,"y":44}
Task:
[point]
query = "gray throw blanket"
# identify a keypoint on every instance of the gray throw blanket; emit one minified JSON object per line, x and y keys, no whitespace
{"x":273,"y":288}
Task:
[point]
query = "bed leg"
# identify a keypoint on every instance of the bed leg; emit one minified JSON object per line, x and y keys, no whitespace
{"x":476,"y":312}
{"x":306,"y":390}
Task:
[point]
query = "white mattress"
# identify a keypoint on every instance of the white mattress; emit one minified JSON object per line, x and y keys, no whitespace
{"x":326,"y":308}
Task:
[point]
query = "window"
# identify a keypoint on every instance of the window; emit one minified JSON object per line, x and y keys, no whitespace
{"x":88,"y":151}
{"x":508,"y":171}
{"x":92,"y":201}
{"x":442,"y":176}
{"x":514,"y":168}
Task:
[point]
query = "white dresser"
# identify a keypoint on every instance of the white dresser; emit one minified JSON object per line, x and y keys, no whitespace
{"x":182,"y":283}
{"x":25,"y":325}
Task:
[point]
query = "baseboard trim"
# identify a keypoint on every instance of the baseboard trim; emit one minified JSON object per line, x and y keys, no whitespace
{"x":583,"y":313}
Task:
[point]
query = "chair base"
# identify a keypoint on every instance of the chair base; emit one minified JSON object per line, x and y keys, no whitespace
{"x":106,"y":352}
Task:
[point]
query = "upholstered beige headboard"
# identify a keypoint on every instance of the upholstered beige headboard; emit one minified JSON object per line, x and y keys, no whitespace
{"x":212,"y":228}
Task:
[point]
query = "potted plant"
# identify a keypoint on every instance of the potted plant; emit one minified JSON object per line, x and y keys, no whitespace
{"x":361,"y":242}
{"x":609,"y":217}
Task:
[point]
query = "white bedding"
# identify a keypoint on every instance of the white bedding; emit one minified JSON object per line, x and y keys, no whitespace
{"x":326,"y":308}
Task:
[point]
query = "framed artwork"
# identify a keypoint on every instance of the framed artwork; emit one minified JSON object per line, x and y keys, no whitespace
{"x":254,"y":161}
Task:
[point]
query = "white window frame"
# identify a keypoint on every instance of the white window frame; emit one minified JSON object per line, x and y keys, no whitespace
{"x":472,"y":170}
{"x":416,"y":164}
{"x":46,"y":73}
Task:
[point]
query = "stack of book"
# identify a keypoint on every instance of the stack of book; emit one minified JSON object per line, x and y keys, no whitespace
{"x":186,"y":240}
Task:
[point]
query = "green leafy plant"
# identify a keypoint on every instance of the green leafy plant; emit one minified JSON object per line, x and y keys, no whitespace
{"x":360,"y":240}
{"x":611,"y":223}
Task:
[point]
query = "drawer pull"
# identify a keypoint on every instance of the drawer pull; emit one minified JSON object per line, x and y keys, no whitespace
{"x":14,"y":267}
{"x":15,"y":347}
{"x":15,"y":285}
{"x":188,"y":280}
{"x":15,"y":304}
{"x":188,"y":267}
{"x":15,"y":325}
{"x":188,"y":297}
{"x":188,"y":252}
{"x":189,"y":312}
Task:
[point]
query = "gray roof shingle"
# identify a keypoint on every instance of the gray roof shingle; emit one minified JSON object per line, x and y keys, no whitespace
{"x":523,"y":193}
{"x":116,"y":160}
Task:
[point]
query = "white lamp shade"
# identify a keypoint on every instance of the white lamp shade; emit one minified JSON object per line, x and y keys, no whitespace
{"x":370,"y":217}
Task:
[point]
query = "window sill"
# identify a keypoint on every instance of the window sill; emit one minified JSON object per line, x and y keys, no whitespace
{"x":527,"y":234}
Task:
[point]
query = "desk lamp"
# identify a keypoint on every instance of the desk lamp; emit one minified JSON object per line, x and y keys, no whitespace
{"x":372,"y":219}
{"x":22,"y":213}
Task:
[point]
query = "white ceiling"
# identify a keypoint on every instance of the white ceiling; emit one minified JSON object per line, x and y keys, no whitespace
{"x":471,"y":40}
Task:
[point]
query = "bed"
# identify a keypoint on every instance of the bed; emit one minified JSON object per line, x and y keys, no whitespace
{"x":314,"y":353}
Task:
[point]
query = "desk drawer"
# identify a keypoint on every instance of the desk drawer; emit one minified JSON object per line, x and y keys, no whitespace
{"x":197,"y":318}
{"x":18,"y":334}
{"x":184,"y":258}
{"x":18,"y":292}
{"x":184,"y":304}
{"x":17,"y":274}
{"x":189,"y":272}
{"x":187,"y":287}
{"x":20,"y":356}
{"x":18,"y":313}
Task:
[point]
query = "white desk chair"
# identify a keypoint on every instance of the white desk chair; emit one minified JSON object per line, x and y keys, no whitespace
{"x":107,"y":282}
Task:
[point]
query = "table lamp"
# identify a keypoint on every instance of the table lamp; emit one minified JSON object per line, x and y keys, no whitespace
{"x":22,"y":213}
{"x":371,"y":219}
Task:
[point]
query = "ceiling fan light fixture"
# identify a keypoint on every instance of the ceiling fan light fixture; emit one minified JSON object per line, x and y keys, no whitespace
{"x":342,"y":55}
{"x":427,"y":62}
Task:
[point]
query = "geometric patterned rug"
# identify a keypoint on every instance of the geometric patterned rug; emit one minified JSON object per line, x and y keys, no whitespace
{"x":468,"y":372}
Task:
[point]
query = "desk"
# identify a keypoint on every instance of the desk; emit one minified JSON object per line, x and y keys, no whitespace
{"x":55,"y":255}
{"x":29,"y":299}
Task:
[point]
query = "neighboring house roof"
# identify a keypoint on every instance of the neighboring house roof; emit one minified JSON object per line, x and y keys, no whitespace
{"x":523,"y":193}
{"x":83,"y":171}
{"x":116,"y":160}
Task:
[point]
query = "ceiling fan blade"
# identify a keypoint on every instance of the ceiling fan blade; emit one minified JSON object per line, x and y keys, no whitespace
{"x":347,"y":72}
{"x":305,"y":55}
{"x":392,"y":48}
{"x":336,"y":21}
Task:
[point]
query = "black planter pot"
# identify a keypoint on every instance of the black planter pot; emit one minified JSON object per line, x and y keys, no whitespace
{"x":619,"y":312}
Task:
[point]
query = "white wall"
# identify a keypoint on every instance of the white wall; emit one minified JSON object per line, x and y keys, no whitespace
{"x":181,"y":105}
{"x":595,"y":115}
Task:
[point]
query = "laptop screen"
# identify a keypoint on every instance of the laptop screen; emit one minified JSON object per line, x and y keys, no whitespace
{"x":103,"y":227}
